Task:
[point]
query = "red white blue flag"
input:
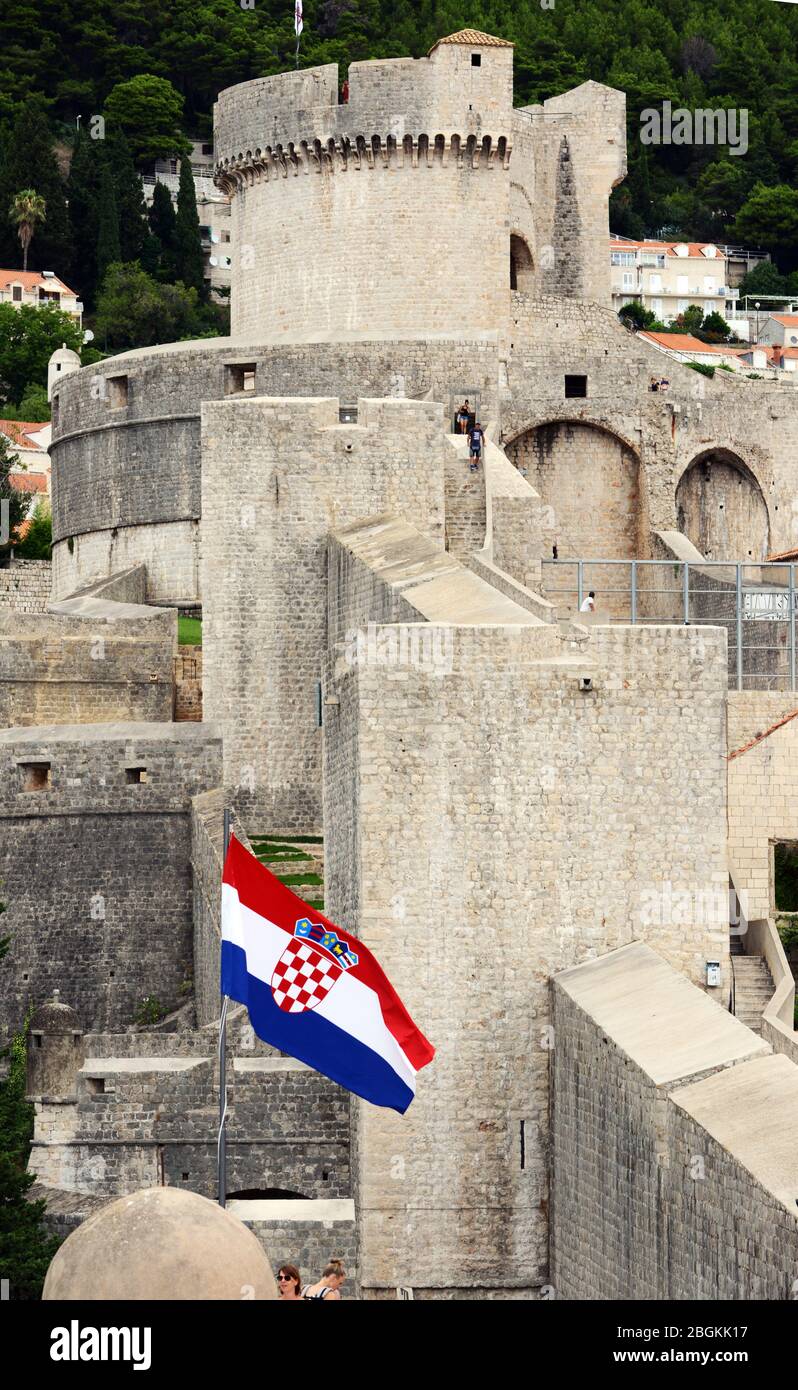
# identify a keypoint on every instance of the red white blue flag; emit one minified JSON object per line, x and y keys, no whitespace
{"x":313,"y":990}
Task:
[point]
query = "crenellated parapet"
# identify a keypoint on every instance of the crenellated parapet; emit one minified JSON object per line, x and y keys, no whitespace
{"x":343,"y":153}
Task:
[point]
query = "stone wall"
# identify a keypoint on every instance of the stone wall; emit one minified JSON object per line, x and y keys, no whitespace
{"x":264,"y":627}
{"x":662,"y":1186}
{"x":188,"y":683}
{"x":126,"y":478}
{"x":96,"y":866}
{"x":64,"y":669}
{"x":305,"y":1234}
{"x":499,"y":862}
{"x":763,"y":789}
{"x":207,"y":861}
{"x":25,"y":586}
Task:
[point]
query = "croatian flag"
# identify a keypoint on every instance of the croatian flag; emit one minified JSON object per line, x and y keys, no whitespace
{"x":313,"y":990}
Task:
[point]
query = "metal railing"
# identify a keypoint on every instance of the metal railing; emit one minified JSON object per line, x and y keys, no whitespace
{"x":752,"y":601}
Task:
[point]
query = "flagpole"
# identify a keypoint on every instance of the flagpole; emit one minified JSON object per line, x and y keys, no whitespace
{"x":221,"y":1143}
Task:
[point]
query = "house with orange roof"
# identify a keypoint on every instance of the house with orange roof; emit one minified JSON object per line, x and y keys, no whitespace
{"x":685,"y":347}
{"x":36,"y":288}
{"x":668,"y":276}
{"x":30,"y":441}
{"x":779,"y":330}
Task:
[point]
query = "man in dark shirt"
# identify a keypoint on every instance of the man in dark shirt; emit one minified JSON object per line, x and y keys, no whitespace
{"x":475,"y":438}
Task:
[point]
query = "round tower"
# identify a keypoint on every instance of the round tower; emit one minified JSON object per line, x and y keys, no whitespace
{"x":55,"y":1050}
{"x":351,"y":219}
{"x":62,"y":362}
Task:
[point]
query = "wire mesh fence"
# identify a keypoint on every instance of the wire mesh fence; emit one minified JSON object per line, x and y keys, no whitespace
{"x":755,"y":603}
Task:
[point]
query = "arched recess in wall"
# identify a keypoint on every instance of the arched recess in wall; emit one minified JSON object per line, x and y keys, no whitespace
{"x":721,"y":509}
{"x":590,"y":478}
{"x":521,"y":264}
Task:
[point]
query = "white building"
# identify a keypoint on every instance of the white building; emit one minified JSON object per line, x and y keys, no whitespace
{"x":668,"y":276}
{"x":38,"y":287}
{"x":213,"y":208}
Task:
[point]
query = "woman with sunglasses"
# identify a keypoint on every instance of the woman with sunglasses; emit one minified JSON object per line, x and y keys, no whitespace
{"x":289,"y":1284}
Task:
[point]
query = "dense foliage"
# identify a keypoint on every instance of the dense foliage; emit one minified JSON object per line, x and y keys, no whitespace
{"x":87,"y":57}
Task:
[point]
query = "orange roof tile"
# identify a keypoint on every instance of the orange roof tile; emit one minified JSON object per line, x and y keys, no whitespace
{"x":28,"y":482}
{"x":682,"y":342}
{"x":31,"y":280}
{"x":473,"y":38}
{"x":786,"y":320}
{"x":17,"y":430}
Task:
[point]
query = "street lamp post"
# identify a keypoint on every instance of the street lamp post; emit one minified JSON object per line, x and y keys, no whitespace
{"x":756,"y":306}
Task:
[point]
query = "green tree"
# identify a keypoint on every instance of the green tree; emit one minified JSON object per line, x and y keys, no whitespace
{"x":17,"y":501}
{"x":188,"y":248}
{"x":28,"y":338}
{"x":765,"y":278}
{"x":131,"y":207}
{"x":29,"y":163}
{"x":34,"y":405}
{"x":635,"y":315}
{"x":38,"y":539}
{"x":27,"y":212}
{"x":690,"y":321}
{"x":715,"y":329}
{"x":83,"y":193}
{"x":147,"y":110}
{"x":108,"y":248}
{"x":162,"y":227}
{"x":769,"y":218}
{"x":134,"y":310}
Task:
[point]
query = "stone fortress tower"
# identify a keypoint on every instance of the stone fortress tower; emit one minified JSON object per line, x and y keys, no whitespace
{"x":504,"y":793}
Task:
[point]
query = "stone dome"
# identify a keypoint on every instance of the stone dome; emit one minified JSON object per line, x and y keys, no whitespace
{"x":161,"y":1243}
{"x":53,"y":1016}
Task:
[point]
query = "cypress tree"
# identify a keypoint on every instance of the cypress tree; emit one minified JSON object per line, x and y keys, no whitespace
{"x":131,"y":207}
{"x":108,"y":248}
{"x":162,"y":228}
{"x":188,"y":248}
{"x":83,"y":188}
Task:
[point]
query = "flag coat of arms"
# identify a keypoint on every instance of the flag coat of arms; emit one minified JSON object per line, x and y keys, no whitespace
{"x":313,"y":990}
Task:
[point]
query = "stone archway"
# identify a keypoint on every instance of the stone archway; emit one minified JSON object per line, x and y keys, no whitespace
{"x":590,"y":480}
{"x":720,"y":507}
{"x":521,"y":265}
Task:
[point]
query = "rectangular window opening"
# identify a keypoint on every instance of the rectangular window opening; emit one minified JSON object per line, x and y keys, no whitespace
{"x":575,"y":386}
{"x":95,"y":1085}
{"x":35,"y":776}
{"x":476,"y":60}
{"x":117,"y":392}
{"x":135,"y":775}
{"x":239,"y":376}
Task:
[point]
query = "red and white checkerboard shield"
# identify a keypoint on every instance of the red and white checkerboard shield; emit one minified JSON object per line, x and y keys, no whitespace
{"x":303,"y":976}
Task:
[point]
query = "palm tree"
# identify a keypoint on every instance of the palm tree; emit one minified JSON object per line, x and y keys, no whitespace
{"x":27,"y":210}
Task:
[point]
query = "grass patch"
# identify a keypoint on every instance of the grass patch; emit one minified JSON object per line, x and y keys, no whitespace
{"x":281,"y":840}
{"x":189,"y":632}
{"x":310,"y":880}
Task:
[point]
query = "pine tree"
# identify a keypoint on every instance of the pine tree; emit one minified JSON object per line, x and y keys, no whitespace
{"x":108,"y":248}
{"x":162,"y":228}
{"x":188,"y":249}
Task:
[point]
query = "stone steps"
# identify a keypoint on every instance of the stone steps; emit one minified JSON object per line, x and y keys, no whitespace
{"x":753,"y":990}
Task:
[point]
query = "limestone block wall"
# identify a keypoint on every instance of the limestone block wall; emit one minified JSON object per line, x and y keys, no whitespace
{"x":188,"y":683}
{"x":58,"y":669}
{"x":95,"y":865}
{"x":466,"y":519}
{"x":763,"y":789}
{"x":491,"y":869}
{"x":25,"y":586}
{"x":670,"y":1180}
{"x":126,"y":477}
{"x":207,"y":861}
{"x":305,"y":1234}
{"x":264,"y":572}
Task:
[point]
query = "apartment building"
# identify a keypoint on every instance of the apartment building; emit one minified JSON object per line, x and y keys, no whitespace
{"x":38,"y":287}
{"x":668,"y":276}
{"x":213,"y":208}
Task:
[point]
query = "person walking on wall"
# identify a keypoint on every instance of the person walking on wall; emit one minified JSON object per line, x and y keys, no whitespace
{"x":475,"y":439}
{"x":289,"y":1284}
{"x":329,"y":1286}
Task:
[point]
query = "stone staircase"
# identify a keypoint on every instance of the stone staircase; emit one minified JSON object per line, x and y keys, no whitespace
{"x":298,"y":862}
{"x":753,"y":986}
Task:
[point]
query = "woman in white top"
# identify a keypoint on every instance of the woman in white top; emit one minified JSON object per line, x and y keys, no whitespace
{"x":329,"y":1286}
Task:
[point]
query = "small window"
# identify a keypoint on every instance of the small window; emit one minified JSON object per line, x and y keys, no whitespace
{"x":16,"y":294}
{"x":239,"y":376}
{"x":225,"y":236}
{"x":35,"y":776}
{"x":95,"y":1085}
{"x":207,"y":149}
{"x":135,"y":776}
{"x":117,"y":392}
{"x":37,"y":1040}
{"x":575,"y":386}
{"x":476,"y":60}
